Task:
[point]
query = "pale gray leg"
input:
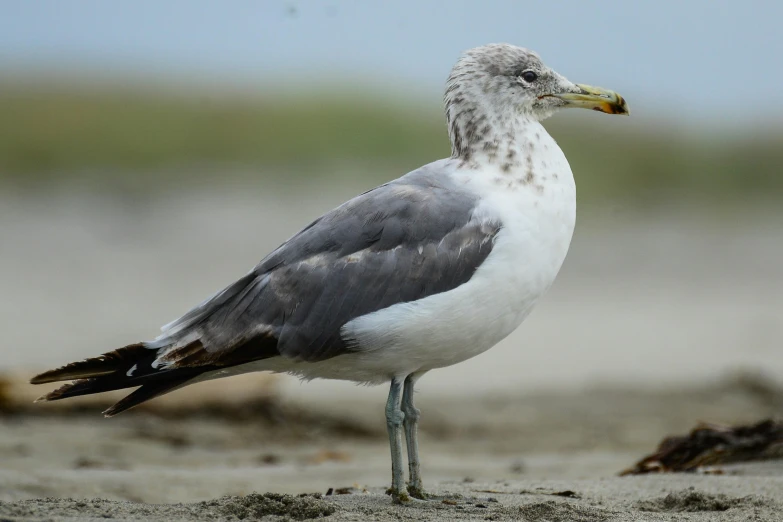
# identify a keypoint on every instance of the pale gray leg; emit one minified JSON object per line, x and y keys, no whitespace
{"x":411,"y":423}
{"x":394,"y":422}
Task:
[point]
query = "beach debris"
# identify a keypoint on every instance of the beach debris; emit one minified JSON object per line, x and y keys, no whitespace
{"x":567,"y":493}
{"x":356,"y":489}
{"x":713,"y":444}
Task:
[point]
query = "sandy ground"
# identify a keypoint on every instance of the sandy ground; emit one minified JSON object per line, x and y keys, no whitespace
{"x":631,"y":344}
{"x":680,"y":498}
{"x":541,"y":457}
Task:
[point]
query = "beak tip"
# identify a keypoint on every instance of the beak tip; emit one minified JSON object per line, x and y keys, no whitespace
{"x":597,"y":99}
{"x":622,"y":107}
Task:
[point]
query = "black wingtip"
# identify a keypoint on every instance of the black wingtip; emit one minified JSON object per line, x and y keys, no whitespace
{"x":72,"y":389}
{"x":145,"y":393}
{"x":105,"y":364}
{"x":70,"y":372}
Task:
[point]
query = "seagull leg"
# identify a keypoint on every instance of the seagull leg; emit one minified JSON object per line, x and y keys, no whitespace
{"x":394,"y":422}
{"x":411,"y":423}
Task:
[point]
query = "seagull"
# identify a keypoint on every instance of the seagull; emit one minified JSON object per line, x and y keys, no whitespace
{"x":420,"y":273}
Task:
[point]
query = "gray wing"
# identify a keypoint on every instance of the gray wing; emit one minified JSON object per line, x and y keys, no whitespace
{"x":400,"y":242}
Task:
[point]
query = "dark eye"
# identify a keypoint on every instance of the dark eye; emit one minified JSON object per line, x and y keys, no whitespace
{"x":529,"y":76}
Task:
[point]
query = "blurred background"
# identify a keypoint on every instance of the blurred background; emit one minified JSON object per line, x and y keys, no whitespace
{"x":152,"y":152}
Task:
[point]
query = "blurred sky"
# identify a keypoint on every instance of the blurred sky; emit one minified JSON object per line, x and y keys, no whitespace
{"x":694,"y":58}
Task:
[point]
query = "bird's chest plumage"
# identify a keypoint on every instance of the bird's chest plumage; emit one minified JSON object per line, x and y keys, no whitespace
{"x":536,"y":203}
{"x":536,"y":206}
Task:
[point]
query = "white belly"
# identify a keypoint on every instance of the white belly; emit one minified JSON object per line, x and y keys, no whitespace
{"x":450,"y":327}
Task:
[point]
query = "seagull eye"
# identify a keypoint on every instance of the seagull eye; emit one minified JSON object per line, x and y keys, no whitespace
{"x":529,"y":76}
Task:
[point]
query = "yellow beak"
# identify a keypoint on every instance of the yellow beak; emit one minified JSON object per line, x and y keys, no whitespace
{"x":594,"y":98}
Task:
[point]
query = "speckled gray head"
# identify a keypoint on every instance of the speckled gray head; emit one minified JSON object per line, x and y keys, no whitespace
{"x":497,"y":87}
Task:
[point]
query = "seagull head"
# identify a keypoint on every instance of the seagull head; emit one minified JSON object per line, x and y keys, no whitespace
{"x":503,"y":80}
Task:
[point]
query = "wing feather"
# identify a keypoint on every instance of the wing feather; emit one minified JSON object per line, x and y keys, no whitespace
{"x":403,"y":241}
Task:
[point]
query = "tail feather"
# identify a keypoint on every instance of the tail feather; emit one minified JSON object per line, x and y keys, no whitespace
{"x":128,"y":367}
{"x":72,"y":389}
{"x":105,"y":364}
{"x":154,"y":368}
{"x":145,"y":393}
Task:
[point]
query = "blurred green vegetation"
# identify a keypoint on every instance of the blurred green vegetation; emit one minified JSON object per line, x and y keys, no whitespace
{"x":50,"y":133}
{"x":46,"y":133}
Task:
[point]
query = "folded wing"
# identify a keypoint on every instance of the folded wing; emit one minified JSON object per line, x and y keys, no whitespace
{"x":400,"y":242}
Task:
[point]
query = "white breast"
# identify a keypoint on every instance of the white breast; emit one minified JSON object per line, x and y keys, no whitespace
{"x":444,"y":329}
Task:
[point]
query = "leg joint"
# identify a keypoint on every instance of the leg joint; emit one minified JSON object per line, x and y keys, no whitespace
{"x":412,"y":413}
{"x":394,"y":417}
